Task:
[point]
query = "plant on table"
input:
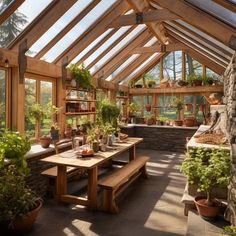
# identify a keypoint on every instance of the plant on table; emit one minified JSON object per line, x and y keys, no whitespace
{"x":229,"y":230}
{"x":207,"y":168}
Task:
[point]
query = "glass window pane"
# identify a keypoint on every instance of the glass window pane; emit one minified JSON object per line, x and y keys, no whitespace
{"x":2,"y":99}
{"x":138,"y":100}
{"x":20,"y":19}
{"x":212,"y":74}
{"x":164,"y":107}
{"x":172,"y":66}
{"x":30,"y":99}
{"x":200,"y":106}
{"x":4,"y":5}
{"x":193,"y":66}
{"x":45,"y":98}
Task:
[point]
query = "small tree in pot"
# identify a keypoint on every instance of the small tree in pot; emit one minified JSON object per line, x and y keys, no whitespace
{"x":207,"y":168}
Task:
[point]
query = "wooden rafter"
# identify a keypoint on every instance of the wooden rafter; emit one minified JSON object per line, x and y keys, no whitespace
{"x":150,"y":16}
{"x":94,"y":31}
{"x":10,"y":9}
{"x":110,"y":66}
{"x":226,"y":4}
{"x":196,"y":45}
{"x":42,"y":23}
{"x":160,"y":48}
{"x":147,"y":67}
{"x":200,"y":20}
{"x":130,"y":68}
{"x":156,"y":27}
{"x":101,"y":55}
{"x":63,"y":32}
{"x":99,"y":44}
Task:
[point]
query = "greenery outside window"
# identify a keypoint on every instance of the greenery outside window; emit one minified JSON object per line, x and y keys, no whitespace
{"x":164,"y":107}
{"x":193,"y":66}
{"x":3,"y":98}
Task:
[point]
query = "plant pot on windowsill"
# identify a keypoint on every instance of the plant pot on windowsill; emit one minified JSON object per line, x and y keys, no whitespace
{"x":178,"y":122}
{"x":189,"y":106}
{"x":138,"y":86}
{"x":148,"y":107}
{"x":45,"y":141}
{"x":190,"y":121}
{"x":197,"y":83}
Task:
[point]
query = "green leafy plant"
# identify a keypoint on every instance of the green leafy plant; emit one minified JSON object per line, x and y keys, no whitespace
{"x":162,"y":119}
{"x":133,"y":108}
{"x":82,"y":76}
{"x":207,"y":80}
{"x":16,"y":199}
{"x":13,"y":148}
{"x":178,"y":105}
{"x":107,"y":129}
{"x":194,"y":77}
{"x":229,"y":230}
{"x":151,"y":83}
{"x":207,"y":168}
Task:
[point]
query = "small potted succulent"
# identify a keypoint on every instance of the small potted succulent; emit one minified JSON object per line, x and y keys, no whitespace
{"x":207,"y":168}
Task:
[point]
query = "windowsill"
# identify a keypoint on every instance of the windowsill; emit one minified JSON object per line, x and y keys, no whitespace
{"x":159,"y":126}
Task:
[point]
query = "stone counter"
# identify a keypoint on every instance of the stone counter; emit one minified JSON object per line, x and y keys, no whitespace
{"x":163,"y":138}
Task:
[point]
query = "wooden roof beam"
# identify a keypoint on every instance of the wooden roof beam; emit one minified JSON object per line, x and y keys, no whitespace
{"x":144,"y":17}
{"x":226,"y":4}
{"x":94,"y":31}
{"x":64,"y":31}
{"x":160,"y":48}
{"x":201,"y":20}
{"x":110,"y":66}
{"x":10,"y":10}
{"x":101,"y":55}
{"x":156,"y":27}
{"x":42,"y":23}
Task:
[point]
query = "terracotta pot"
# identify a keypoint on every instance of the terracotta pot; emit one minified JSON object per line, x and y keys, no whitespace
{"x":197,"y":83}
{"x":178,"y":122}
{"x":45,"y":142}
{"x":189,"y":106}
{"x":148,"y":107}
{"x":190,"y":121}
{"x":23,"y":224}
{"x":149,"y":121}
{"x":208,"y":212}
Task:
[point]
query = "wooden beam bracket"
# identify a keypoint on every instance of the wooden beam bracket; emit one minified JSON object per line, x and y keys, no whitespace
{"x":139,"y":17}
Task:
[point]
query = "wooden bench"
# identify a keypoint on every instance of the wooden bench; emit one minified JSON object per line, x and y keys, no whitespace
{"x":115,"y":183}
{"x":51,"y":173}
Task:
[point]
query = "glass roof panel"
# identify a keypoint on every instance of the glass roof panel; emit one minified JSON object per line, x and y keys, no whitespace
{"x":138,"y":69}
{"x":78,"y":30}
{"x":20,"y":19}
{"x":123,"y":66}
{"x":93,"y":44}
{"x":4,"y":5}
{"x":58,"y":26}
{"x":216,"y":10}
{"x":118,"y":47}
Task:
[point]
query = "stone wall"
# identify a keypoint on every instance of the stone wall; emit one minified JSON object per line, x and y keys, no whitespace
{"x":163,"y":138}
{"x":230,"y":101}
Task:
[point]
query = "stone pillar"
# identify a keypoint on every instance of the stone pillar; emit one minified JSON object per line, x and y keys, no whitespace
{"x":230,"y":101}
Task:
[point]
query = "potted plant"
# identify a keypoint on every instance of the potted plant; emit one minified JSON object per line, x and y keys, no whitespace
{"x":149,"y":119}
{"x":107,"y":130}
{"x":39,"y":112}
{"x":16,"y":199}
{"x":93,"y":138}
{"x":162,"y":120}
{"x":189,"y":106}
{"x":151,"y":83}
{"x":178,"y":105}
{"x":207,"y":168}
{"x":82,"y":76}
{"x":207,"y":80}
{"x":194,"y":80}
{"x":229,"y":230}
{"x":133,"y":109}
{"x":190,"y":121}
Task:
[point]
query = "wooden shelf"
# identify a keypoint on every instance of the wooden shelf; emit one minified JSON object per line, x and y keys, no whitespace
{"x":79,"y":100}
{"x":122,"y":97}
{"x":80,"y":113}
{"x":197,"y":89}
{"x":79,"y":89}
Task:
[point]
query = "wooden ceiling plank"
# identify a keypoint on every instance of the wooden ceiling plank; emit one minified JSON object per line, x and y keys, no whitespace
{"x":226,"y":4}
{"x":201,"y":20}
{"x":91,"y":51}
{"x":144,"y":36}
{"x":42,"y":23}
{"x":156,"y":27}
{"x":101,"y":55}
{"x":65,"y":30}
{"x":10,"y":10}
{"x":150,"y":16}
{"x":159,"y":48}
{"x":223,"y":61}
{"x":94,"y":31}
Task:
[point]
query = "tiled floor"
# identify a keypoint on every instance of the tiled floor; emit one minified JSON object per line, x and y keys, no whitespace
{"x":149,"y":207}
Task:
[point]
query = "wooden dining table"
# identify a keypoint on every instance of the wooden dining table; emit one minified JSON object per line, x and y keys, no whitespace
{"x":71,"y":158}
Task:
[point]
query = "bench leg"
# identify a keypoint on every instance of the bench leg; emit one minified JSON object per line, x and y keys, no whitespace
{"x":109,"y":203}
{"x":144,"y":172}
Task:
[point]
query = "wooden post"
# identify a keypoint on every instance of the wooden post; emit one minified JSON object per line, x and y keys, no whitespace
{"x":22,"y":60}
{"x":92,"y":187}
{"x":64,"y":64}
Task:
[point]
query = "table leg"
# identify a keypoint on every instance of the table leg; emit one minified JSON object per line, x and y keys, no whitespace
{"x":132,"y":153}
{"x":61,"y":181}
{"x":92,"y":187}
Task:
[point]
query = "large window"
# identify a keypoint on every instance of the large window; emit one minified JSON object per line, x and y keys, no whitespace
{"x":193,"y":66}
{"x":165,"y":108}
{"x":2,"y":99}
{"x":172,"y":66}
{"x":37,"y":91}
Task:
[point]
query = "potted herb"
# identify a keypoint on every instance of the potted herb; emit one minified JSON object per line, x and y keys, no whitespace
{"x":151,"y":83}
{"x":162,"y":120}
{"x":93,"y":138}
{"x":194,"y":80}
{"x":178,"y":105}
{"x":82,"y":76}
{"x":190,"y":121}
{"x":207,"y":80}
{"x":207,"y":168}
{"x":149,"y":119}
{"x":133,"y":110}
